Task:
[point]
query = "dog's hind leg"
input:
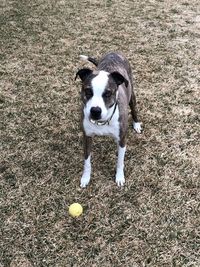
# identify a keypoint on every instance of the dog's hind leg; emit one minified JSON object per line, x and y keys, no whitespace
{"x":136,"y":124}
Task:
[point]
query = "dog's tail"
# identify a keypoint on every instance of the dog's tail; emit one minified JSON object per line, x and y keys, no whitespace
{"x":91,"y":59}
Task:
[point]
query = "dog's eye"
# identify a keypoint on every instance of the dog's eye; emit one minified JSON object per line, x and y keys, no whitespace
{"x":88,"y":93}
{"x":107,"y":94}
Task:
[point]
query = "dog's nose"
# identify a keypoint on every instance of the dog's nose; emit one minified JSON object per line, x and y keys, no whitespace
{"x":95,"y":113}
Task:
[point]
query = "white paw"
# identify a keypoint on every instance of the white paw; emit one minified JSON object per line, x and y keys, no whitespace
{"x":85,"y":179}
{"x":119,"y":179}
{"x":137,"y":127}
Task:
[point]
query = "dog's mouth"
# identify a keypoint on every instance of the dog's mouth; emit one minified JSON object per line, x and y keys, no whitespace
{"x":92,"y":121}
{"x":95,"y":121}
{"x":95,"y":118}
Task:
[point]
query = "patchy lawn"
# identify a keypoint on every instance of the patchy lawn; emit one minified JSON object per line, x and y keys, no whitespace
{"x":154,"y":220}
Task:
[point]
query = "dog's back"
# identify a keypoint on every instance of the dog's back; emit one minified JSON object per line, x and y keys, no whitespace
{"x":114,"y":61}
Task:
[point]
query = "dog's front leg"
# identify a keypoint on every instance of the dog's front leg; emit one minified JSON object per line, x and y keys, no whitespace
{"x":120,"y":180}
{"x":85,"y":179}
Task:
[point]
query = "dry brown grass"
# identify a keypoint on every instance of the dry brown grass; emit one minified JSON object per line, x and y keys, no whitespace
{"x":153,"y":221}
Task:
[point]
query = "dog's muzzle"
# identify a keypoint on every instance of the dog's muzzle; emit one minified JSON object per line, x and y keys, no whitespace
{"x":100,"y":122}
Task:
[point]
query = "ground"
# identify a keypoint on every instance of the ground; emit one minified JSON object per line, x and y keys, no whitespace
{"x":154,"y":220}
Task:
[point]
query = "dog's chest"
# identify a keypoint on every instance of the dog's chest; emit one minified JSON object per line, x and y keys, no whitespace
{"x":111,"y":129}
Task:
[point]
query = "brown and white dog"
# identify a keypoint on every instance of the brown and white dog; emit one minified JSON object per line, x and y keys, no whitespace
{"x":106,"y":94}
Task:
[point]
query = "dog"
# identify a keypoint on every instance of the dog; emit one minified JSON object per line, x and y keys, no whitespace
{"x":106,"y":94}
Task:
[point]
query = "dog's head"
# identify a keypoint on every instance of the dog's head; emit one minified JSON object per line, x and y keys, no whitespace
{"x":99,"y":92}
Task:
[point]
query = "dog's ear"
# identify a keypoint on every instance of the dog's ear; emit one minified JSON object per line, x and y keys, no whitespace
{"x":118,"y":78}
{"x":83,"y":74}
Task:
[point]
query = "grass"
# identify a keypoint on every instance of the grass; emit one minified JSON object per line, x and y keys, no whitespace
{"x":154,"y":219}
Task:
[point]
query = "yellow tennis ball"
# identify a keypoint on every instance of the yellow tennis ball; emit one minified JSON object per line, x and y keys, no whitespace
{"x":75,"y":209}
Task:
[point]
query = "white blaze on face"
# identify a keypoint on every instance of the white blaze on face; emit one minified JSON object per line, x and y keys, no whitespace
{"x":98,"y":86}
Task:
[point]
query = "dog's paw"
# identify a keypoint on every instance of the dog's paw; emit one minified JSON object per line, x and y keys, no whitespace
{"x":137,"y":127}
{"x":85,"y":179}
{"x":119,"y":179}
